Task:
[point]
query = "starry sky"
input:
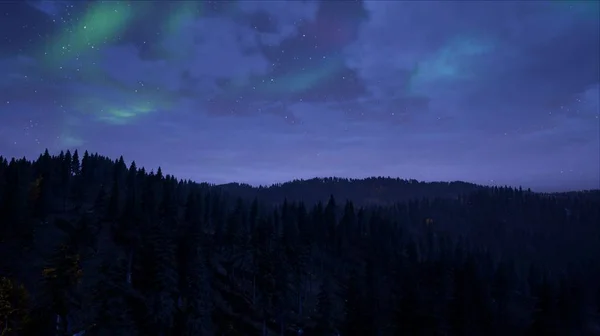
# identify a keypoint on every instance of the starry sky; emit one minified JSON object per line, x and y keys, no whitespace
{"x":491,"y":92}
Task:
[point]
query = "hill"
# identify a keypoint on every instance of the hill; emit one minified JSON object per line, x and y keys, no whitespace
{"x":369,"y":191}
{"x":90,"y":244}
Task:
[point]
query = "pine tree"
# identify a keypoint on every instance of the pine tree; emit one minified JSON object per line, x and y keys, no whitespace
{"x":356,"y":318}
{"x":112,"y":297}
{"x":324,"y":311}
{"x":544,"y":316}
{"x":163,"y":278}
{"x":198,"y":306}
{"x":59,"y":283}
{"x":15,"y":306}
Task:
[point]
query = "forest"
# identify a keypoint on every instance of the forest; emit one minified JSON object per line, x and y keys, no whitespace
{"x":93,"y":246}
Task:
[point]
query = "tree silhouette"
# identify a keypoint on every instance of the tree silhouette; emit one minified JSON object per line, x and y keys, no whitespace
{"x":94,"y":245}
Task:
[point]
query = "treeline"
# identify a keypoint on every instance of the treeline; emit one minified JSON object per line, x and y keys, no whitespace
{"x":363,"y":192}
{"x":93,"y":245}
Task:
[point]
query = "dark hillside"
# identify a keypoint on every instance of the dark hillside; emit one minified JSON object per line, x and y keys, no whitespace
{"x":369,"y":191}
{"x":92,"y":244}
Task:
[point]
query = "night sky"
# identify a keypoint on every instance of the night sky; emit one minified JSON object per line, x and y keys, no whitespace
{"x":491,"y":92}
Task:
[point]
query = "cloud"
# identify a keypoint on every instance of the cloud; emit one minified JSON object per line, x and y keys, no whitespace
{"x":197,"y":58}
{"x":222,"y":62}
{"x":51,"y":8}
{"x":116,"y":106}
{"x":217,"y":48}
{"x":123,"y":64}
{"x":478,"y":57}
{"x":194,"y":58}
{"x":276,"y":21}
{"x":15,"y":69}
{"x":24,"y":87}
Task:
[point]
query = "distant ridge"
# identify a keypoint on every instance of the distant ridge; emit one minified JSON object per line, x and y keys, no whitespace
{"x":372,"y":190}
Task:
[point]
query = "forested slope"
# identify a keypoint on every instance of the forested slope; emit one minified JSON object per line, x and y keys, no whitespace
{"x":369,"y":191}
{"x":91,"y":244}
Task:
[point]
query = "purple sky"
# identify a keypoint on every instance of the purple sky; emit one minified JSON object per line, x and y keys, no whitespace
{"x":488,"y":92}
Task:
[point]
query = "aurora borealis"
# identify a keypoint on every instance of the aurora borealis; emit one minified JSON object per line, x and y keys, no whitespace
{"x":261,"y":92}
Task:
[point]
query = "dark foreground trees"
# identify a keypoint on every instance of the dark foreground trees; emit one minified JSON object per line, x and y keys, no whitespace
{"x":92,"y":245}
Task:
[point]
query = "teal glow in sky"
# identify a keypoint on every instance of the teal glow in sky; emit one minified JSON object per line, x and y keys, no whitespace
{"x":267,"y":91}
